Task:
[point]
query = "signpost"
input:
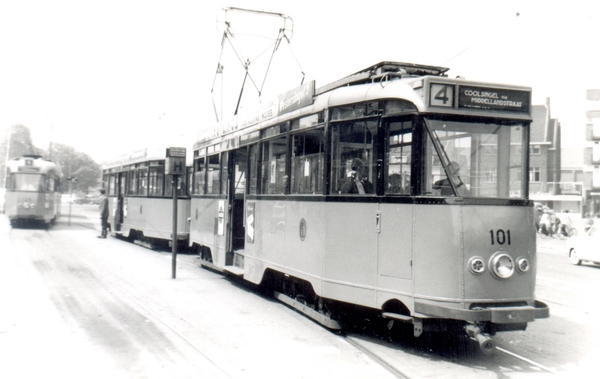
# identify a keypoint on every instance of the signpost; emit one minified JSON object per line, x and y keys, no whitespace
{"x":175,"y":166}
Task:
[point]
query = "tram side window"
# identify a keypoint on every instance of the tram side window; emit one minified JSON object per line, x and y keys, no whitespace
{"x":181,"y":186}
{"x":199,"y":179}
{"x":213,"y":180}
{"x":190,"y":180}
{"x":307,"y":162}
{"x":398,"y":156}
{"x":51,"y":183}
{"x":273,"y":175}
{"x":253,"y":172}
{"x":155,"y":181}
{"x":240,"y":170}
{"x":132,"y":182}
{"x":143,"y":182}
{"x":353,"y":161}
{"x":224,"y":173}
{"x":112,"y":190}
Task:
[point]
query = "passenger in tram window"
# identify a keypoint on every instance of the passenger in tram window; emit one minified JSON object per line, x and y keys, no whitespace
{"x":395,"y":183}
{"x":357,"y":180}
{"x":444,"y":185}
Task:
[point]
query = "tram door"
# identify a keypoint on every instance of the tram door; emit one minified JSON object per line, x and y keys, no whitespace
{"x":238,"y":169}
{"x":119,"y":205}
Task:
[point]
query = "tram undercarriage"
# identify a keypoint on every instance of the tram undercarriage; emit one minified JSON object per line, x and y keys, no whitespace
{"x":339,"y":316}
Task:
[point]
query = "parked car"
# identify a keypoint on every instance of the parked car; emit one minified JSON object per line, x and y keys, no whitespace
{"x":585,"y":247}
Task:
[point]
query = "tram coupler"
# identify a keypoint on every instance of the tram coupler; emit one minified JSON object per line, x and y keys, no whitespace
{"x":486,"y":344}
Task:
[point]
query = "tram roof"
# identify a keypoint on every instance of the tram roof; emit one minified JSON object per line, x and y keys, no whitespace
{"x":32,"y":163}
{"x":402,"y":80}
{"x":382,"y":70}
{"x":138,"y":156}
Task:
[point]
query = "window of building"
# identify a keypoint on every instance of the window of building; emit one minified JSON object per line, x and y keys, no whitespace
{"x":596,"y":177}
{"x":535,"y":174}
{"x":536,"y":150}
{"x":596,"y":152}
{"x":596,"y":128}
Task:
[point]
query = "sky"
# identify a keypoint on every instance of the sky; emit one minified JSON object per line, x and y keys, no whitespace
{"x":113,"y":76}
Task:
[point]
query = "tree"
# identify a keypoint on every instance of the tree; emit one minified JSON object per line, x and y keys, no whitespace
{"x":76,"y":164}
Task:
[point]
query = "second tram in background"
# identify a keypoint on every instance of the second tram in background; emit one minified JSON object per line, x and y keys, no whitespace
{"x":33,"y":190}
{"x":141,"y":198}
{"x":395,"y":189}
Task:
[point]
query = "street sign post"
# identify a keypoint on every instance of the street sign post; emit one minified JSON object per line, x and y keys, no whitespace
{"x":175,"y":166}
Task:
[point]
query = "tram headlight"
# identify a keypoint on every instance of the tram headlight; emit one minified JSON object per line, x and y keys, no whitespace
{"x":502,"y":265}
{"x":476,"y":265}
{"x":523,"y":265}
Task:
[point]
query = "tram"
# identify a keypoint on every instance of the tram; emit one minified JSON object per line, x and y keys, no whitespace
{"x":140,"y":198}
{"x":395,"y":189}
{"x":33,"y":190}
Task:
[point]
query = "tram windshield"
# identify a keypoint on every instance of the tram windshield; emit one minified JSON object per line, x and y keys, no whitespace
{"x":474,"y":159}
{"x":26,"y":182}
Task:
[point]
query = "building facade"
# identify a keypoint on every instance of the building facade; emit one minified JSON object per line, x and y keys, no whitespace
{"x":591,"y":152}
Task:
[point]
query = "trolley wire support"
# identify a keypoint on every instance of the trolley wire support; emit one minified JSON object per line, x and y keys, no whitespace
{"x":285,"y":32}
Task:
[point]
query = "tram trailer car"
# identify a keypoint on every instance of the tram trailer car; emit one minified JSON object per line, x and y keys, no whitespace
{"x":33,"y":190}
{"x":441,"y":236}
{"x":140,"y":198}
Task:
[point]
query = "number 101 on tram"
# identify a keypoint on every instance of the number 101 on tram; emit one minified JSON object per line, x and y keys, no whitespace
{"x":395,"y":189}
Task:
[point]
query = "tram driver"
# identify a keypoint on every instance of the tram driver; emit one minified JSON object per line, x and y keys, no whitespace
{"x":357,"y":180}
{"x":444,"y":185}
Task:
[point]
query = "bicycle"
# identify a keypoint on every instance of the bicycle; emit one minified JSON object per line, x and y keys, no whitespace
{"x":566,"y":231}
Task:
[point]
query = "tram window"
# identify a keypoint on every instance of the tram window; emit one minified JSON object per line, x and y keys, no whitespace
{"x":25,"y":182}
{"x":181,"y":185}
{"x":155,"y":181}
{"x":132,"y":182}
{"x":190,"y":181}
{"x":240,"y":170}
{"x":273,"y":176}
{"x":353,"y":142}
{"x":224,"y":173}
{"x":490,"y":157}
{"x":199,"y":178}
{"x":111,"y":185}
{"x":253,"y":169}
{"x":398,"y":157}
{"x":143,"y":182}
{"x":213,"y":173}
{"x":307,"y":162}
{"x":50,"y":184}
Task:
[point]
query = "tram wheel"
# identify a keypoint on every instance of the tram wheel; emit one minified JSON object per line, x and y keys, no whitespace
{"x":574,"y":258}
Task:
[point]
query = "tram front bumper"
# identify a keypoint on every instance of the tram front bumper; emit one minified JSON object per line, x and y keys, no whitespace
{"x":494,"y":314}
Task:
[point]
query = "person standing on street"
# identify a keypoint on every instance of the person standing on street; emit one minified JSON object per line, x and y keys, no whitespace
{"x":103,"y":213}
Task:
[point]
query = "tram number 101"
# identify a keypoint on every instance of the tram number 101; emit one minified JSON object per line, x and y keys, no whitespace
{"x":500,"y":237}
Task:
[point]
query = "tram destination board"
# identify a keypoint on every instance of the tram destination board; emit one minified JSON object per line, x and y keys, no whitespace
{"x":500,"y":99}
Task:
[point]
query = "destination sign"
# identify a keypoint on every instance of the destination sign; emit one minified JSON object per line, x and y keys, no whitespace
{"x":493,"y":98}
